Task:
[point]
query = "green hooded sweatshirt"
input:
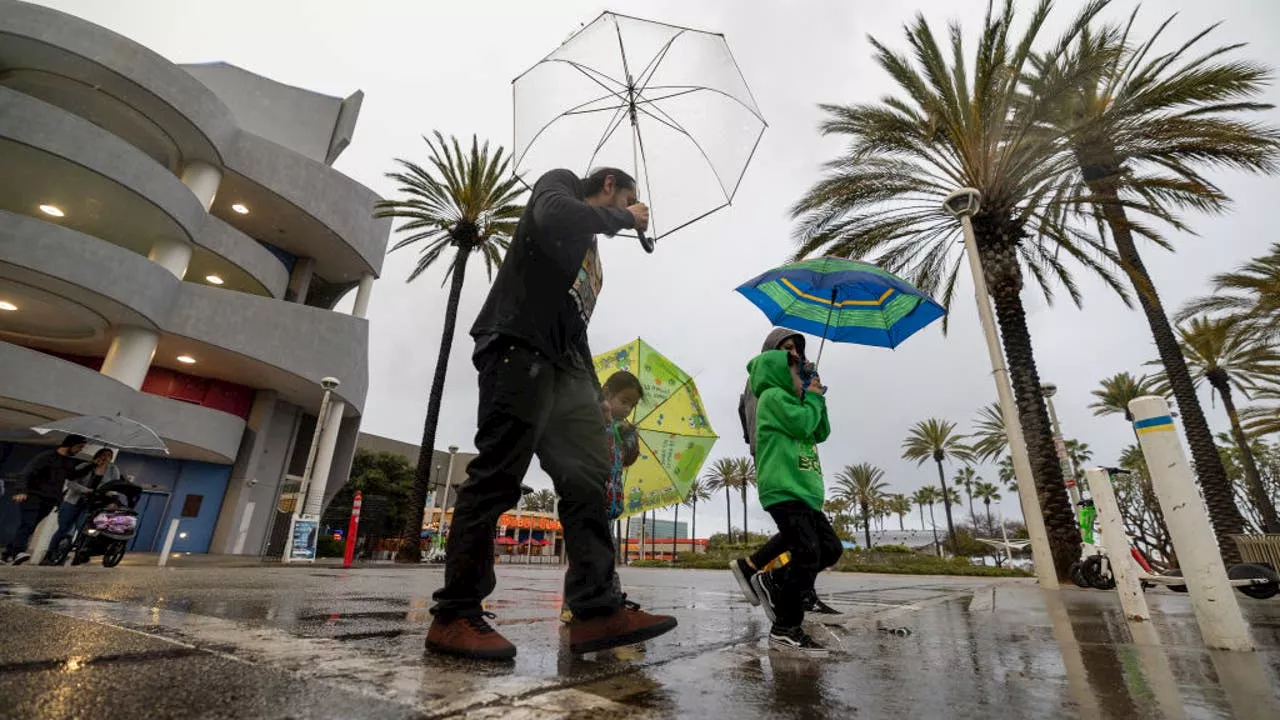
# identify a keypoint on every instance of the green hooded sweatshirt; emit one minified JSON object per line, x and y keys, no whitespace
{"x":787,"y":432}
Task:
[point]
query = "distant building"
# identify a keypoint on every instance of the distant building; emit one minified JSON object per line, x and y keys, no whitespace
{"x":655,"y":528}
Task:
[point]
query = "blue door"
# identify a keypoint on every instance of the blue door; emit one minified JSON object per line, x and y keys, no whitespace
{"x":150,"y":512}
{"x":197,"y":498}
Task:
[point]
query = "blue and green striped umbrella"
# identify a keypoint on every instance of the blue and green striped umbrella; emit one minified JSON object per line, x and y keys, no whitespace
{"x":843,"y":301}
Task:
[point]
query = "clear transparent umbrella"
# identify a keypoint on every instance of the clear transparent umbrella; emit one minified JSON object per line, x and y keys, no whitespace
{"x":114,"y":431}
{"x":666,"y":102}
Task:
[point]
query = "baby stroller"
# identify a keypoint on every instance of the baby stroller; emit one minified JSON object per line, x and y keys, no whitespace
{"x":108,"y":523}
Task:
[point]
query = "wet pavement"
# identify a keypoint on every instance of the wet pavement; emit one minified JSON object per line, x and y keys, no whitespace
{"x":242,"y":642}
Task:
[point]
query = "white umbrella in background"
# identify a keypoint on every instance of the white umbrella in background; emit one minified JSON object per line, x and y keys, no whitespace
{"x":114,"y":431}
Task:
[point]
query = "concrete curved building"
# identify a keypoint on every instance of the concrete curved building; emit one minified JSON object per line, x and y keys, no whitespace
{"x":173,"y":240}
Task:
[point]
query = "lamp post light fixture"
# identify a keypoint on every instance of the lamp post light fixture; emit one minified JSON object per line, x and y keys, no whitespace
{"x":963,"y":204}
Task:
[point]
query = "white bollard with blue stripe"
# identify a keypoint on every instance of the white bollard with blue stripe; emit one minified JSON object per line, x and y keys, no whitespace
{"x":1217,"y":612}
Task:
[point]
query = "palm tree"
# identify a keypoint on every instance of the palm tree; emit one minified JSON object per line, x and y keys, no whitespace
{"x":1080,"y":455}
{"x":989,"y":438}
{"x":882,"y":200}
{"x":1006,"y":474}
{"x":698,"y":492}
{"x":1260,"y":421}
{"x":1142,"y":125}
{"x":467,"y":202}
{"x":932,"y":495}
{"x":900,"y":505}
{"x":937,"y":440}
{"x":746,"y":479}
{"x":923,"y":496}
{"x":1251,"y":292}
{"x":986,"y":492}
{"x":862,"y":484}
{"x":724,"y":475}
{"x":540,"y":501}
{"x":1117,"y":391}
{"x":966,"y":477}
{"x":1228,"y":353}
{"x":675,"y":531}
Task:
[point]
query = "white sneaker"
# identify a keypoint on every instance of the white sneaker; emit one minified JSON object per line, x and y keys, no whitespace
{"x":765,"y":587}
{"x":20,"y":558}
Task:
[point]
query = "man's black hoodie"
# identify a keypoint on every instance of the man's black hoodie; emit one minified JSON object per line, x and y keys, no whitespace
{"x":530,"y":300}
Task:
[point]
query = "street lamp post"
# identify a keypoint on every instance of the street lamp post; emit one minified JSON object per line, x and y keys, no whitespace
{"x":962,"y":204}
{"x":444,"y":503}
{"x":300,"y":523}
{"x":1060,"y":444}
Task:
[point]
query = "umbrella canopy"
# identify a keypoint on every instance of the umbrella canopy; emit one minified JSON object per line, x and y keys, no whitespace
{"x":664,"y":101}
{"x":114,"y":431}
{"x":844,"y":301}
{"x":671,"y":424}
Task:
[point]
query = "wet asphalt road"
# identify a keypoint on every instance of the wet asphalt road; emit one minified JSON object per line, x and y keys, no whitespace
{"x":315,"y":642}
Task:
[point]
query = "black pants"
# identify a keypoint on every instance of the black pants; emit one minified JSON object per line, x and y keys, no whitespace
{"x":813,"y":545}
{"x":530,"y":406}
{"x":769,"y":551}
{"x":30,"y":512}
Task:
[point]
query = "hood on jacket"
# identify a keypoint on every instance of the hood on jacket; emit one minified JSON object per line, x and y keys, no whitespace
{"x":778,"y":336}
{"x":770,"y":369}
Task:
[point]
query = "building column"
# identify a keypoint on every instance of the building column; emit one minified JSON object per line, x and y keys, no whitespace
{"x":300,"y":280}
{"x":361,"y":308}
{"x":324,"y":458}
{"x":172,"y":255}
{"x":227,"y":534}
{"x":203,"y":180}
{"x":129,"y":356}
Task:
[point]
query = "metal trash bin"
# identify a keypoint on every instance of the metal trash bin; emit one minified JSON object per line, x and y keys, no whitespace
{"x":1260,"y":549}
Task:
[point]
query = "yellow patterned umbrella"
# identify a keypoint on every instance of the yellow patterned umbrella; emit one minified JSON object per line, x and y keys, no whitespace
{"x":671,"y":423}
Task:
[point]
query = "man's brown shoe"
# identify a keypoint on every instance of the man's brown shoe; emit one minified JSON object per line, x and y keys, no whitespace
{"x":469,"y":637}
{"x":627,"y":626}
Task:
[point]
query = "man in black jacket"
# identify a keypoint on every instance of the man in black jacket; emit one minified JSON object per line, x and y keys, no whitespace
{"x":539,"y":396}
{"x":38,"y":490}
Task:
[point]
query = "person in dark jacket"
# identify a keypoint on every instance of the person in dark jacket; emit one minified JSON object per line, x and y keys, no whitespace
{"x":38,"y":490}
{"x":539,"y":396}
{"x":78,"y":489}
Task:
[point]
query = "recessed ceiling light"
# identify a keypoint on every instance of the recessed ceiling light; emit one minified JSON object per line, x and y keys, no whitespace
{"x":52,"y":210}
{"x":186,"y":360}
{"x":214,"y":279}
{"x":7,"y":306}
{"x":240,"y":209}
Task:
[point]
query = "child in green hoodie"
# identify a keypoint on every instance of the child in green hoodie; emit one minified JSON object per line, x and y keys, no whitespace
{"x":791,"y":419}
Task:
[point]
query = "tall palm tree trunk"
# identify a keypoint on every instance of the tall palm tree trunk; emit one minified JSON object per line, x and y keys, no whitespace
{"x":902,"y":520}
{"x":746,"y":535}
{"x":866,"y":523}
{"x":1211,"y":473}
{"x":922,"y":516}
{"x":990,"y":523}
{"x":1004,"y":278}
{"x":946,"y":507}
{"x":1252,"y":479}
{"x":728,"y":513}
{"x":693,"y":532}
{"x":409,"y":551}
{"x":934,"y":522}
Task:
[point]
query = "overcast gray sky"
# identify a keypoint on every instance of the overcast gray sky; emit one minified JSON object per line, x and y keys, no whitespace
{"x":448,"y":65}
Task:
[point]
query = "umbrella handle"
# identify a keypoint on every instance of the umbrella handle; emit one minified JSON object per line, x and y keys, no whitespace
{"x":646,"y":242}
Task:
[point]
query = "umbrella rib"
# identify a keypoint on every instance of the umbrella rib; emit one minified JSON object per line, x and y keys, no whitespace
{"x":609,"y":130}
{"x":593,"y":75}
{"x":754,"y":112}
{"x":680,"y":129}
{"x":571,"y":111}
{"x":651,"y":67}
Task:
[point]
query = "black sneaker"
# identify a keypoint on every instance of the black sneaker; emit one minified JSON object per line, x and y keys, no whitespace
{"x":813,"y":604}
{"x":743,"y":572}
{"x":796,"y":640}
{"x":766,"y":589}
